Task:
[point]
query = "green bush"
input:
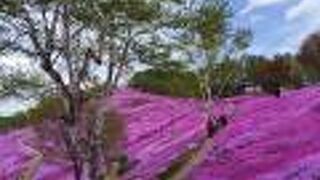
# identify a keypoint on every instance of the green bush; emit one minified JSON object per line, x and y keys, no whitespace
{"x":49,"y":107}
{"x":7,"y":122}
{"x":167,"y":82}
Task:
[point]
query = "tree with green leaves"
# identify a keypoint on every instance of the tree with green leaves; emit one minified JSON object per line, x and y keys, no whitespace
{"x":309,"y":55}
{"x":211,"y":33}
{"x":251,"y":63}
{"x":69,"y":39}
{"x":282,"y":70}
{"x":226,"y":78}
{"x":66,"y":39}
{"x":170,"y":78}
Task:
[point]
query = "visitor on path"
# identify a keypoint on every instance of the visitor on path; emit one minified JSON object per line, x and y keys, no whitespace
{"x":213,"y":126}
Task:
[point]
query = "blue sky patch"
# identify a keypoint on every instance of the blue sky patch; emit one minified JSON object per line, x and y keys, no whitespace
{"x":278,"y":26}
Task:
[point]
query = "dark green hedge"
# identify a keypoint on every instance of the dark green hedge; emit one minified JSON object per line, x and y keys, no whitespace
{"x":167,"y":82}
{"x":48,"y":107}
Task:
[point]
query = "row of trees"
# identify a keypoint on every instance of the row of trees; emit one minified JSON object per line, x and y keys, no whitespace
{"x":288,"y":70}
{"x":230,"y":76}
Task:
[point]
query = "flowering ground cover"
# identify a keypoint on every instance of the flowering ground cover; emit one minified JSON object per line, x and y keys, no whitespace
{"x":268,"y":138}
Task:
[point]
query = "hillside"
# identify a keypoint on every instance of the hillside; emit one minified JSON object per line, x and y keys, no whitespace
{"x":269,"y":138}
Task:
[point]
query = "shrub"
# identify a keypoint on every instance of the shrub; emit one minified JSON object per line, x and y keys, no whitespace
{"x":167,"y":82}
{"x":49,"y":107}
{"x":7,"y":122}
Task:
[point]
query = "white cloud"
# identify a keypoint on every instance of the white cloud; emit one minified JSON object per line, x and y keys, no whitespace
{"x":294,"y":34}
{"x":302,"y":20}
{"x":309,"y":8}
{"x":256,"y":4}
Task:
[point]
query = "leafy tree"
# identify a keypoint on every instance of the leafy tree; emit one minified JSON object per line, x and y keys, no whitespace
{"x":284,"y":69}
{"x":212,"y":35}
{"x":273,"y":74}
{"x":251,"y":66}
{"x":170,"y":81}
{"x":308,"y":56}
{"x":226,"y":78}
{"x":292,"y":76}
{"x":66,"y":39}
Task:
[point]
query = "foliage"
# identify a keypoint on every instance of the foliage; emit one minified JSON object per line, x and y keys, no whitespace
{"x":93,"y":92}
{"x":271,"y":75}
{"x":57,"y":32}
{"x":251,"y":64}
{"x":48,"y":107}
{"x":281,"y":70}
{"x":13,"y":121}
{"x":309,"y":56}
{"x":68,"y":37}
{"x":211,"y":32}
{"x":225,"y":78}
{"x":167,"y":82}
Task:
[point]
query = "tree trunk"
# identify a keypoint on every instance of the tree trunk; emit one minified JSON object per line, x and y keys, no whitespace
{"x":72,"y":145}
{"x":197,"y":156}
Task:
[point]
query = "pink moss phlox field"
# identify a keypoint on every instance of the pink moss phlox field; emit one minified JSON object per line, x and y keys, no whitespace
{"x":268,"y":138}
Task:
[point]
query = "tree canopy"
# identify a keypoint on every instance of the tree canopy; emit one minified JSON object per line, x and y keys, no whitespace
{"x":309,"y":56}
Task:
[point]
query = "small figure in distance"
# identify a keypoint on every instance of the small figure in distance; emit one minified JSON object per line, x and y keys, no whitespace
{"x":277,"y":92}
{"x":214,"y":126}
